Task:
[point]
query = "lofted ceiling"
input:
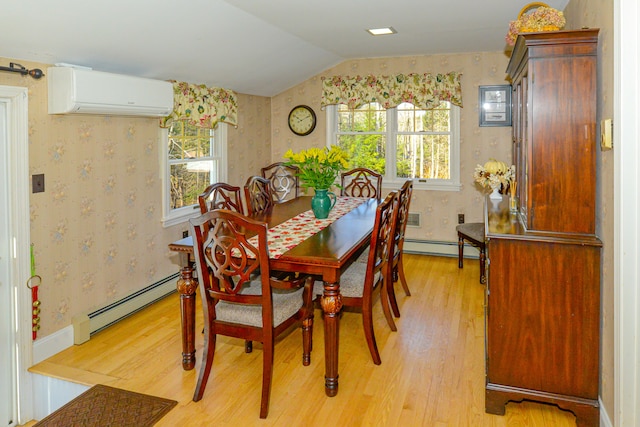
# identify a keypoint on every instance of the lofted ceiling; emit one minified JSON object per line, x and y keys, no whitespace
{"x":254,"y":47}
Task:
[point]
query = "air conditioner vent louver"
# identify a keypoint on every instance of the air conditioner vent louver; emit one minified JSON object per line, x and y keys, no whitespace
{"x":414,"y":219}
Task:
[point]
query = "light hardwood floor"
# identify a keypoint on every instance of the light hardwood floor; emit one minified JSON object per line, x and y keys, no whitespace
{"x":432,"y":371}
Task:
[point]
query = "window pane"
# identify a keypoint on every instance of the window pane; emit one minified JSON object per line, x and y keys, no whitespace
{"x":367,"y":118}
{"x":189,"y":142}
{"x":188,"y":180}
{"x":423,"y":156}
{"x":411,"y":119}
{"x":365,"y":151}
{"x":175,"y":149}
{"x":438,"y":120}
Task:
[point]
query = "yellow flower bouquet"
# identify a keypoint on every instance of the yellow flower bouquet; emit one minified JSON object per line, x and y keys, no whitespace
{"x":319,"y":167}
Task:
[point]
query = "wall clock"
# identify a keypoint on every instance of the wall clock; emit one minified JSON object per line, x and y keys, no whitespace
{"x":302,"y":120}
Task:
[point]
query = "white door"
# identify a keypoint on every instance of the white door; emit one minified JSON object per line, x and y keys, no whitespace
{"x":7,"y":341}
{"x":16,"y":406}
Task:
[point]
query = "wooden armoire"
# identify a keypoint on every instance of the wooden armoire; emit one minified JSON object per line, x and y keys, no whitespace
{"x":543,"y":261}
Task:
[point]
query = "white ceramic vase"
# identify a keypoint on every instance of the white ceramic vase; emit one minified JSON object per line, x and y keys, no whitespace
{"x":495,"y":194}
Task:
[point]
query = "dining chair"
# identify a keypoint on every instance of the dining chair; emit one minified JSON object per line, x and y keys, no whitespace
{"x":361,"y":182}
{"x":239,"y":302}
{"x":361,"y":282}
{"x":284,"y":180}
{"x":221,"y":196}
{"x":397,"y":266}
{"x":258,"y":195}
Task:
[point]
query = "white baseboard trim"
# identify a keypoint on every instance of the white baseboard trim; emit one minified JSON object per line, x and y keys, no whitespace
{"x":605,"y":421}
{"x":46,"y":347}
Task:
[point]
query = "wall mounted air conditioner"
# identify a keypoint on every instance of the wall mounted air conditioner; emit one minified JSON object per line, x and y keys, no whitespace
{"x":77,"y":90}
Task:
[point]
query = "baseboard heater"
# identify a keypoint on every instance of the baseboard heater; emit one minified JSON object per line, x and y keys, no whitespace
{"x":88,"y":324}
{"x":438,"y":248}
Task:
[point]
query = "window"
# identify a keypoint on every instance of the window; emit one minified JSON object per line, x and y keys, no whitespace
{"x":401,"y":142}
{"x":193,"y":158}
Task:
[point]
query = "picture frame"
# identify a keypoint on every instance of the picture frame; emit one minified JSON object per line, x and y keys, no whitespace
{"x":494,"y":105}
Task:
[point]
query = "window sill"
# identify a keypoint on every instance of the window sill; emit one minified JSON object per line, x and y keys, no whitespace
{"x":421,"y":185}
{"x":180,"y":216}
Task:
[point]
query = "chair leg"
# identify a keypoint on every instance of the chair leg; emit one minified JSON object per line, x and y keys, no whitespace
{"x":460,"y":251}
{"x":307,"y":343}
{"x":367,"y":323}
{"x":267,"y":374}
{"x":392,"y":293}
{"x":403,"y":278}
{"x":207,"y":363}
{"x":385,"y":291}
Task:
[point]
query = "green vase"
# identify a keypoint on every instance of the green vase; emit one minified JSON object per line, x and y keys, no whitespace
{"x":322,"y":203}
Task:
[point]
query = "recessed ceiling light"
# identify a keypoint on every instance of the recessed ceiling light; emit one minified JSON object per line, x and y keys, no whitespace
{"x":381,"y":31}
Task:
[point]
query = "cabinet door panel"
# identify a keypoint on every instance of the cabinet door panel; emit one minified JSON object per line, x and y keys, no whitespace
{"x":562,"y":147}
{"x":542,"y":325}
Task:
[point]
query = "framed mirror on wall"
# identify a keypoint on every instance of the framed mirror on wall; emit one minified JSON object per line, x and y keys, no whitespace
{"x":495,"y":105}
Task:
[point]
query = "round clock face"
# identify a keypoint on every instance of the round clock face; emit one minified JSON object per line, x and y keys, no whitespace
{"x":302,"y":120}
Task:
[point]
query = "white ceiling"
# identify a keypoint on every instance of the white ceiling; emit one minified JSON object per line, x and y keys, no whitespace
{"x":259,"y":47}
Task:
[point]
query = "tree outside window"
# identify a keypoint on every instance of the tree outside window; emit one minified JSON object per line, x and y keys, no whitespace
{"x":402,"y":142}
{"x":195,"y":158}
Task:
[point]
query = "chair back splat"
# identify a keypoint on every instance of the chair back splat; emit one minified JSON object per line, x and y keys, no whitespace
{"x":221,"y":196}
{"x":284,"y":181}
{"x":258,"y":195}
{"x":361,"y":182}
{"x":397,"y":266}
{"x":240,"y":298}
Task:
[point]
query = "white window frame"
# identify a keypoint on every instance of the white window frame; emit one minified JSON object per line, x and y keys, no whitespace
{"x":177,"y":216}
{"x":390,"y":180}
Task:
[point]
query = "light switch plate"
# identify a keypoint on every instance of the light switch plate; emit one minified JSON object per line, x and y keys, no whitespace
{"x":37,"y":183}
{"x":606,"y":139}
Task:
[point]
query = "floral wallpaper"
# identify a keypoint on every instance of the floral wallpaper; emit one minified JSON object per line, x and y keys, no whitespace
{"x":599,"y":14}
{"x":96,"y":229}
{"x":439,"y":209}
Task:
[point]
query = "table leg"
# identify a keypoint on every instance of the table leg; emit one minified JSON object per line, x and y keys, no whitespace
{"x":331,"y":305}
{"x":187,"y":285}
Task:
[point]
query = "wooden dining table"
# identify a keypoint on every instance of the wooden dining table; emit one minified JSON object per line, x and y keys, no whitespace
{"x":325,"y":254}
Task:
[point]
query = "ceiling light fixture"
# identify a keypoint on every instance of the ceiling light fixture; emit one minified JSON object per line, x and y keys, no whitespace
{"x":381,"y":31}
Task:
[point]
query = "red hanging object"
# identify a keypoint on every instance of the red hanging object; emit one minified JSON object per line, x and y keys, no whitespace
{"x":33,"y":283}
{"x":35,"y":312}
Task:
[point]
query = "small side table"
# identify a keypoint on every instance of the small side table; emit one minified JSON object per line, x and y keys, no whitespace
{"x":473,"y":232}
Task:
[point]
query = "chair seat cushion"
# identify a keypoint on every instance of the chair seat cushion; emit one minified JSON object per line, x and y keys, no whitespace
{"x":351,"y":281}
{"x":285,"y":304}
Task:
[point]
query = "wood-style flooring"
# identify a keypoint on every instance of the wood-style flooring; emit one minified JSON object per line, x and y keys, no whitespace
{"x":432,"y":372}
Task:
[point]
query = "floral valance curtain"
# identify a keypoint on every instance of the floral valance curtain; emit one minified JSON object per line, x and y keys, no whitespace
{"x":422,"y":90}
{"x":202,"y":106}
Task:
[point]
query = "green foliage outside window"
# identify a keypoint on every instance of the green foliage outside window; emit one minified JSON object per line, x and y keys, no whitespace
{"x":190,"y":163}
{"x":423,"y":137}
{"x":361,"y":135}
